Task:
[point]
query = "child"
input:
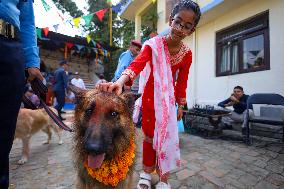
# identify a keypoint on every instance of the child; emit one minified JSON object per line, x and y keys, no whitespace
{"x":160,"y":59}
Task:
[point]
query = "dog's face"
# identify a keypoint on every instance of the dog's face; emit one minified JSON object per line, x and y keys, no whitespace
{"x":103,"y":124}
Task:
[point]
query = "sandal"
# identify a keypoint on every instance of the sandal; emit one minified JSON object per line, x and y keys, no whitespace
{"x":162,"y":185}
{"x":145,"y":179}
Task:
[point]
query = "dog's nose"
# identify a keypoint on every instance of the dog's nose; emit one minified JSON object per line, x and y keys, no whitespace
{"x":94,"y":146}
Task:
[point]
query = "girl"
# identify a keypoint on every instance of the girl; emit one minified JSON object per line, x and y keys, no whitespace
{"x":160,"y":59}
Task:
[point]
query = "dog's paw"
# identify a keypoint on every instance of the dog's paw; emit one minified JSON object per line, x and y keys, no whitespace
{"x":60,"y":142}
{"x":22,"y":161}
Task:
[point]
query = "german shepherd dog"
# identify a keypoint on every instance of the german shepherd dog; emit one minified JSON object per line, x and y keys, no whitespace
{"x":103,"y":130}
{"x":30,"y":122}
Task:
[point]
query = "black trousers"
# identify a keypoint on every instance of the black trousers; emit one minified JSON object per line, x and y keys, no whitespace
{"x":60,"y":98}
{"x":12,"y":80}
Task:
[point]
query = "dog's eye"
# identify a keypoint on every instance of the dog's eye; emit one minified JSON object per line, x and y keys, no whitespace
{"x":89,"y":111}
{"x":114,"y":114}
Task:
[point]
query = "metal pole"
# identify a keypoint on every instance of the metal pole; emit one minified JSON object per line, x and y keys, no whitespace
{"x":110,"y":26}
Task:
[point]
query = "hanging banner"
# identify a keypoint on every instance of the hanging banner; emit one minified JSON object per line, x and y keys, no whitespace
{"x":79,"y":47}
{"x":101,"y":13}
{"x":105,"y":52}
{"x":45,"y":31}
{"x":88,"y":38}
{"x":95,"y":50}
{"x":76,"y":21}
{"x":88,"y":19}
{"x":56,"y":27}
{"x":116,"y":8}
{"x":46,"y":6}
{"x":94,"y":43}
{"x":99,"y":46}
{"x":69,"y":45}
{"x":39,"y":33}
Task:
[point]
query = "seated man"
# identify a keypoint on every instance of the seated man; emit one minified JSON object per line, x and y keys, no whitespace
{"x":239,"y":102}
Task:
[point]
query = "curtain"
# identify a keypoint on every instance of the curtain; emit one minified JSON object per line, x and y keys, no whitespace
{"x":225,"y":59}
{"x":235,"y":61}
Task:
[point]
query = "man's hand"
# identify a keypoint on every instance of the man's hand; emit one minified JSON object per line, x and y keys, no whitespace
{"x":34,"y":73}
{"x":179,"y":114}
{"x":234,"y":99}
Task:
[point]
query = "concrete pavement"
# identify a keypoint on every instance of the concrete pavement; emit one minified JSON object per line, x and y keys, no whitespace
{"x":206,"y":164}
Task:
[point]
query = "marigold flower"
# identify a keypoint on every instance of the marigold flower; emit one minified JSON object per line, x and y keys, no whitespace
{"x":113,"y":171}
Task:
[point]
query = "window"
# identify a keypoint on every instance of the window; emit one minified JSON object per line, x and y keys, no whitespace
{"x":243,"y":47}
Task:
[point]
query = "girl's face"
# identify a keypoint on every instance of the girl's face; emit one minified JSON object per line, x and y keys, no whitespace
{"x":182,"y":24}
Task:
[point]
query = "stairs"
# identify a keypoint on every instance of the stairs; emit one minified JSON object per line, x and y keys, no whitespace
{"x":88,"y":83}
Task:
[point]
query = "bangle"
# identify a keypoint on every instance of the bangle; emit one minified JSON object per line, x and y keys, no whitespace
{"x":180,"y":106}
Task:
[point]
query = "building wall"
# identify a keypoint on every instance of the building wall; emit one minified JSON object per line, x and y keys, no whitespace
{"x":76,"y":64}
{"x":203,"y":85}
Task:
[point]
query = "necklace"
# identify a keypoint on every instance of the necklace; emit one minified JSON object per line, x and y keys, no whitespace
{"x":115,"y":170}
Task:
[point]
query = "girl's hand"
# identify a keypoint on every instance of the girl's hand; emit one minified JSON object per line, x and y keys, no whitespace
{"x":103,"y":86}
{"x":116,"y":87}
{"x":179,"y":114}
{"x":110,"y":87}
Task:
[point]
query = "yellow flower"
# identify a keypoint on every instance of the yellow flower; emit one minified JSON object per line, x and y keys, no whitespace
{"x":113,"y":171}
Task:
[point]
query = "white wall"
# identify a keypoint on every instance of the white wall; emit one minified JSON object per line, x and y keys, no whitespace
{"x":203,"y":85}
{"x":212,"y":89}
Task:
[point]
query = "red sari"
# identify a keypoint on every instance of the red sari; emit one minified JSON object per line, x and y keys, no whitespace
{"x":180,"y":62}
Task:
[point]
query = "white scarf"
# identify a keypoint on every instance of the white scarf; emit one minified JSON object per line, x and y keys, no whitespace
{"x":166,"y":141}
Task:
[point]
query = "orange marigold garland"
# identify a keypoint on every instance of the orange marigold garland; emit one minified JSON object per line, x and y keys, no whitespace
{"x":113,"y":171}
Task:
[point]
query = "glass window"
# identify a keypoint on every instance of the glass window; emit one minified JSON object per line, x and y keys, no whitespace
{"x":253,"y":52}
{"x":243,"y":47}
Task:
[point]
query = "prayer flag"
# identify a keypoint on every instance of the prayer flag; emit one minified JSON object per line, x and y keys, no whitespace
{"x":45,"y":5}
{"x":88,"y":38}
{"x":45,"y":31}
{"x":38,"y":33}
{"x":76,"y":21}
{"x":101,"y":13}
{"x":56,"y":27}
{"x":116,"y":8}
{"x":88,"y":19}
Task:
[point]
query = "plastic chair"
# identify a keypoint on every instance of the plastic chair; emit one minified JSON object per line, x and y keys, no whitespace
{"x":266,"y":99}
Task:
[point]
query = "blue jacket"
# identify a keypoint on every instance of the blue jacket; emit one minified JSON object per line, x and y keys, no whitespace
{"x":20,"y":14}
{"x":239,"y":107}
{"x":124,"y":60}
{"x":61,"y":80}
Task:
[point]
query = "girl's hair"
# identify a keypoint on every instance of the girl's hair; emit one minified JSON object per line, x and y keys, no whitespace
{"x":187,"y":5}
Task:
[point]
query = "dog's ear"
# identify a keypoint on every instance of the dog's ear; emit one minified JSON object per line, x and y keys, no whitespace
{"x":76,"y":90}
{"x":79,"y":93}
{"x":130,"y":98}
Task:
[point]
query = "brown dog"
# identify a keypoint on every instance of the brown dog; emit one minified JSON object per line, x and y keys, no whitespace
{"x":30,"y":122}
{"x":104,"y":132}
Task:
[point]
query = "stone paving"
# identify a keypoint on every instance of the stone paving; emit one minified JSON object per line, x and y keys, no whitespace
{"x":206,"y":164}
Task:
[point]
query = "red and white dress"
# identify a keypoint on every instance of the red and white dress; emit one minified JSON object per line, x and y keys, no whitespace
{"x":179,"y":66}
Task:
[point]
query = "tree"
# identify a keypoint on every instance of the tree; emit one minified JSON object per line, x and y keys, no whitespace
{"x":123,"y":30}
{"x":68,"y":6}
